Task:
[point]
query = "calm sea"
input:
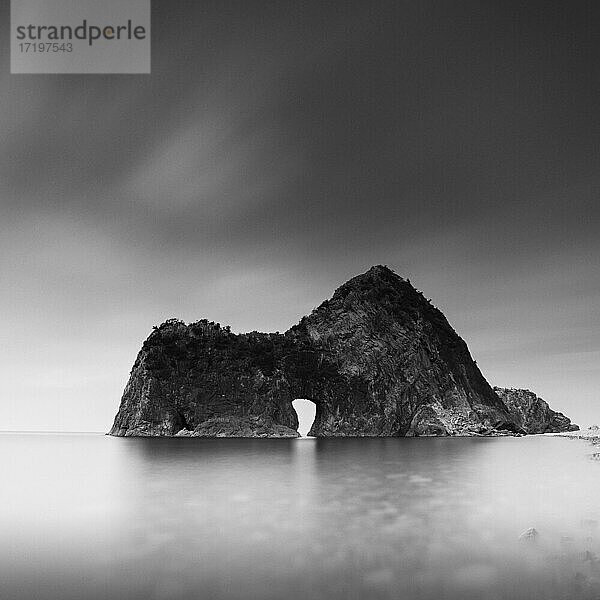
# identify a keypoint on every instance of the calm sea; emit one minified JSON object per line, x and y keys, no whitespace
{"x":89,"y":516}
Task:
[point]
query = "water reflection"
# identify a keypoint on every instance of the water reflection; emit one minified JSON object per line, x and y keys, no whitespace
{"x":97,"y":517}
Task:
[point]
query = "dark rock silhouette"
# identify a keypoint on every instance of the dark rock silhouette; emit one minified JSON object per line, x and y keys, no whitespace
{"x":378,"y":359}
{"x":533,"y":414}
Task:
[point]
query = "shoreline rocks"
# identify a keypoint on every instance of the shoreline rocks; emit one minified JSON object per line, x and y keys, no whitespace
{"x":591,"y":435}
{"x":240,"y":427}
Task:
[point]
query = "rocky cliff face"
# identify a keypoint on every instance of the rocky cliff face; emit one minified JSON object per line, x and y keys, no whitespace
{"x":378,"y":359}
{"x":532,"y":413}
{"x":402,"y":369}
{"x":203,"y":379}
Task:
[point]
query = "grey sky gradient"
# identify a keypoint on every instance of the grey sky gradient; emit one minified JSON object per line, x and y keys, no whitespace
{"x":279,"y":148}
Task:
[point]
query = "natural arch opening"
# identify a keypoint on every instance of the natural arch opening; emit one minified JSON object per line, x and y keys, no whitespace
{"x":306,"y":411}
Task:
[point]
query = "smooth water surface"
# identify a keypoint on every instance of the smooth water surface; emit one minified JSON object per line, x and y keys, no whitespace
{"x":89,"y":516}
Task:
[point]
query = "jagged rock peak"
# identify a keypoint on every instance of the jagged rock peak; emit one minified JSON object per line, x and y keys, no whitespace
{"x":377,"y":274}
{"x":366,"y":285}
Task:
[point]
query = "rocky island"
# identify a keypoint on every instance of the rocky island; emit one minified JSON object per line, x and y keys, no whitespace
{"x":377,"y":359}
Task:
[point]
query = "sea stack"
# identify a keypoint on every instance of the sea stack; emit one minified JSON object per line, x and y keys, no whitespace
{"x":377,"y":359}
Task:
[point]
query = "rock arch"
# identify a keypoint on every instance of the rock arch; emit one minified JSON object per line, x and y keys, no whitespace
{"x":377,"y":359}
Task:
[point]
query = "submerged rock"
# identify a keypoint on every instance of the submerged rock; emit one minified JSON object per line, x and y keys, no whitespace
{"x":529,"y":535}
{"x":532,"y":413}
{"x":378,"y":359}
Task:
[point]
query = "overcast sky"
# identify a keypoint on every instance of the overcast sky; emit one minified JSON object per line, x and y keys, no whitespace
{"x":279,"y":148}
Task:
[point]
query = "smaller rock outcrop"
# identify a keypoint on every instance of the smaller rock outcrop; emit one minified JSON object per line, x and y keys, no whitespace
{"x":532,"y":413}
{"x":529,"y":535}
